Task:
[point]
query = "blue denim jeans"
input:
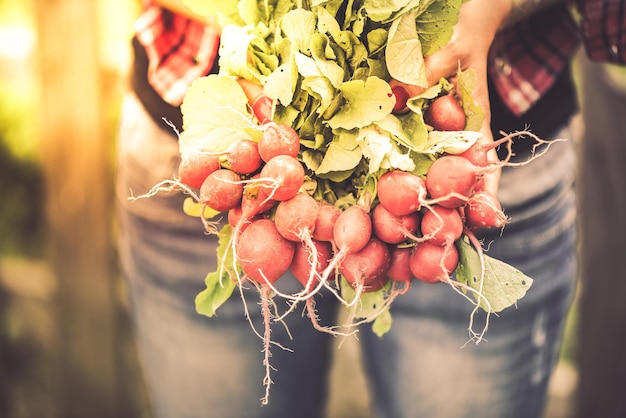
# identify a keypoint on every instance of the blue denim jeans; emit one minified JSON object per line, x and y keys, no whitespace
{"x":196,"y":366}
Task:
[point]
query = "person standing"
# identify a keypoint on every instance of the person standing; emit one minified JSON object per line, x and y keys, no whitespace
{"x":196,"y":367}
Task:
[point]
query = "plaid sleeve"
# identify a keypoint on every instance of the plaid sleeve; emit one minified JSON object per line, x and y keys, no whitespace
{"x":604,"y":29}
{"x":179,"y":50}
{"x":525,"y":59}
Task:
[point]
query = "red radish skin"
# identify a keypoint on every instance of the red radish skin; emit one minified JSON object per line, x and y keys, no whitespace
{"x":302,"y":263}
{"x":281,"y":177}
{"x":278,"y":139}
{"x":327,"y":214}
{"x":234,"y":216}
{"x":478,"y":154}
{"x":400,"y":192}
{"x":441,"y":225}
{"x":451,"y":179}
{"x":242,"y":157}
{"x":195,"y":167}
{"x":236,"y":221}
{"x":399,"y":269}
{"x":263,"y":254}
{"x":484,"y":211}
{"x":352,"y":230}
{"x":254,"y":200}
{"x":394,"y":229}
{"x":367,"y":267}
{"x":431,"y":263}
{"x":260,"y":103}
{"x":295,"y":218}
{"x":445,"y":114}
{"x":222,"y":190}
{"x":402,"y":96}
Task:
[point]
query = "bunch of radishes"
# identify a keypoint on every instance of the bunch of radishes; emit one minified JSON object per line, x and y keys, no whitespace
{"x":407,"y":229}
{"x":404,"y":228}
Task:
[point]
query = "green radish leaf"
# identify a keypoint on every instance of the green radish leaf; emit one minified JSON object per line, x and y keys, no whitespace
{"x":381,"y":10}
{"x":376,"y":40}
{"x":403,"y":53}
{"x":324,"y":60}
{"x":408,"y":130}
{"x":415,"y":129}
{"x":320,"y":88}
{"x":281,"y":83}
{"x":233,"y":54}
{"x":435,"y":25}
{"x":343,"y":154}
{"x":369,"y":304}
{"x":364,"y":102}
{"x":299,"y":25}
{"x":197,"y":210}
{"x":422,"y":163}
{"x":251,"y":11}
{"x":215,"y":114}
{"x":219,"y":288}
{"x":382,"y":323}
{"x":503,"y":285}
{"x":381,"y":152}
{"x":473,"y":112}
{"x":419,"y":102}
{"x":452,"y":142}
{"x":326,"y":23}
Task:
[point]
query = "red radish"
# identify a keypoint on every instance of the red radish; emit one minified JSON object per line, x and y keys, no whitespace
{"x":253,"y":206}
{"x":352,"y":230}
{"x":393,"y":229}
{"x":242,"y":156}
{"x":305,"y":257}
{"x":263,"y":254}
{"x":445,"y":114}
{"x":236,"y":219}
{"x":478,"y":153}
{"x":234,"y":216}
{"x":327,"y":214}
{"x":368,"y":266}
{"x":441,"y":225}
{"x":221,"y":190}
{"x":255,"y":201}
{"x":281,"y":177}
{"x":261,"y":103}
{"x":480,"y":185}
{"x":484,"y":211}
{"x":401,"y":192}
{"x":433,"y":263}
{"x":399,"y":269}
{"x":402,"y":96}
{"x":194,"y":167}
{"x":278,"y":139}
{"x":295,"y":218}
{"x":450,"y":180}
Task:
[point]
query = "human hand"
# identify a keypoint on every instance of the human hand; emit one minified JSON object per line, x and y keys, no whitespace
{"x":478,"y":23}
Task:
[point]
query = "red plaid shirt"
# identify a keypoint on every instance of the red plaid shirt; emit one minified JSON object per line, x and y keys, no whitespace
{"x":526,"y":58}
{"x":179,"y":50}
{"x":524,"y":61}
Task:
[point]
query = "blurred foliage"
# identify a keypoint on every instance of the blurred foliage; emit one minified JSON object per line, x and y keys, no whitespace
{"x":22,"y":208}
{"x":21,"y":180}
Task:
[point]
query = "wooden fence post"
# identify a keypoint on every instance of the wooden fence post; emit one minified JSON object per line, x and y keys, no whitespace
{"x":76,"y":163}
